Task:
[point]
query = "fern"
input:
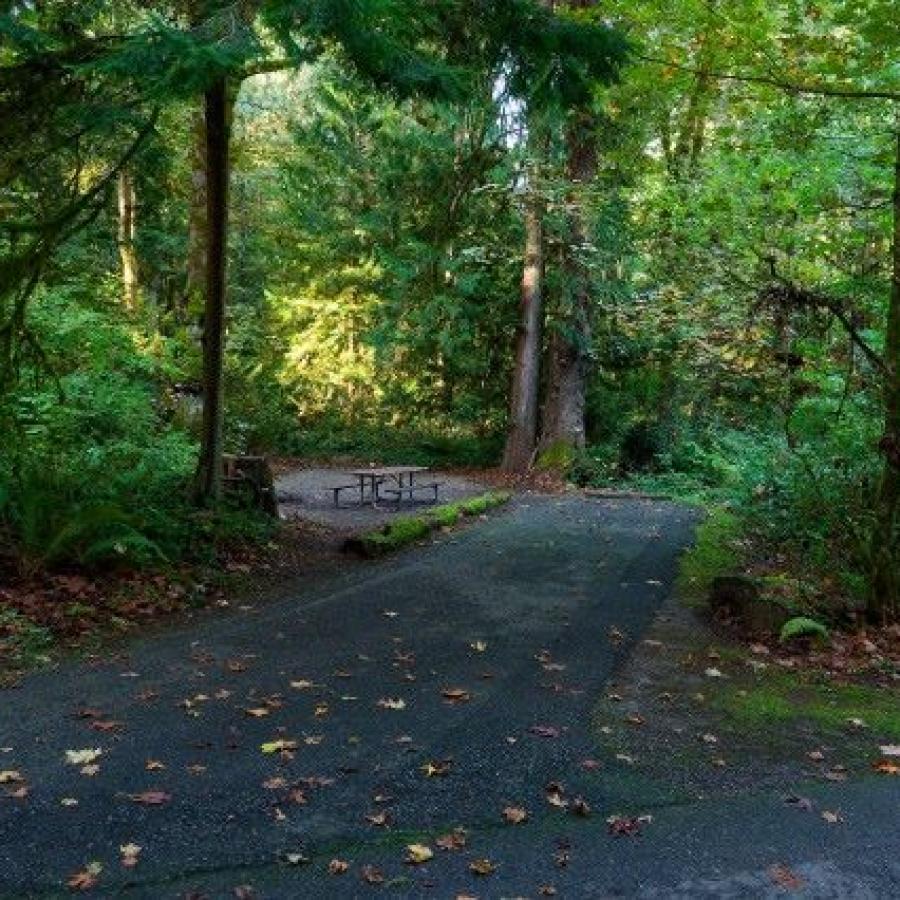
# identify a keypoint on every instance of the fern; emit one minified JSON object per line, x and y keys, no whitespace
{"x":801,"y":626}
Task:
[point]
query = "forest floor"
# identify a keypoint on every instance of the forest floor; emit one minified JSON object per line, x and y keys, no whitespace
{"x":519,"y":708}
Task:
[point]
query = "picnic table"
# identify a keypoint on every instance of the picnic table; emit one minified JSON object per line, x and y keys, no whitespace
{"x":387,"y":482}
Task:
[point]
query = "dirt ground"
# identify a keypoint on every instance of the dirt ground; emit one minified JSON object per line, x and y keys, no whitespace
{"x":306,"y":494}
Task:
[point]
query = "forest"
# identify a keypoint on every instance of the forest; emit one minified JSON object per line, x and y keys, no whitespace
{"x":651,"y":245}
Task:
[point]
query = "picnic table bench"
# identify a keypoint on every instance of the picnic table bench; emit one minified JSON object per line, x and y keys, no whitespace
{"x":394,"y":482}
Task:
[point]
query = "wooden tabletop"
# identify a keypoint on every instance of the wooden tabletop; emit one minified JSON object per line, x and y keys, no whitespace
{"x":389,"y":470}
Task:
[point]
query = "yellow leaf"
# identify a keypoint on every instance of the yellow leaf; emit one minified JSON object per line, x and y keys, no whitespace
{"x":418,"y":853}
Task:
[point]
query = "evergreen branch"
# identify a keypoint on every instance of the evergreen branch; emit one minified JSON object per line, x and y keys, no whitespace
{"x":779,"y":83}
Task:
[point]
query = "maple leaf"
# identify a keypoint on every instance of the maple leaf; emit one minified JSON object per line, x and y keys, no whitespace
{"x":338,"y":867}
{"x":150,"y":798}
{"x":515,"y":814}
{"x":482,"y":866}
{"x":80,"y":757}
{"x":416,"y":854}
{"x":86,"y":879}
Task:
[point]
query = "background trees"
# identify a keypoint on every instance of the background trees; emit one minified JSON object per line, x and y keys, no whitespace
{"x":712,"y":235}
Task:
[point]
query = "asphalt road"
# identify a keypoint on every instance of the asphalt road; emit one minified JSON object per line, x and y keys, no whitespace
{"x":479,"y":657}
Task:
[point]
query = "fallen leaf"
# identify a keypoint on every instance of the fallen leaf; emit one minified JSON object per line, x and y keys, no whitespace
{"x":713,"y":673}
{"x":887,"y":767}
{"x":784,"y":877}
{"x":832,"y":818}
{"x":455,"y":840}
{"x":338,"y":867}
{"x":68,"y":801}
{"x":634,"y":719}
{"x":154,"y":765}
{"x":150,"y":798}
{"x":627,"y":826}
{"x":278,"y":746}
{"x":590,"y":765}
{"x":372,"y":875}
{"x":547,"y":731}
{"x":80,"y":757}
{"x":86,"y":879}
{"x":456,"y":695}
{"x":579,"y":806}
{"x":482,"y":867}
{"x":244,"y":892}
{"x":302,"y":685}
{"x":380,"y":819}
{"x":257,"y":712}
{"x":479,"y":646}
{"x":130,"y":853}
{"x":515,"y":814}
{"x":9,"y":776}
{"x":890,"y":749}
{"x":391,"y":703}
{"x":437,"y":768}
{"x":296,"y":859}
{"x":816,"y":755}
{"x":90,"y":770}
{"x":547,"y":890}
{"x":418,"y":853}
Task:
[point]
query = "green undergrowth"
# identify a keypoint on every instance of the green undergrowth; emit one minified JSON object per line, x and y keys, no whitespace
{"x":409,"y":529}
{"x":779,"y":700}
{"x":714,"y":553}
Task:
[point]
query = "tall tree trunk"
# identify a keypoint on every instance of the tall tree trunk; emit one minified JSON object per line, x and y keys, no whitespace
{"x":209,"y":469}
{"x":522,"y":434}
{"x":198,"y":221}
{"x":127,"y":228}
{"x":884,"y":603}
{"x":563,"y":420}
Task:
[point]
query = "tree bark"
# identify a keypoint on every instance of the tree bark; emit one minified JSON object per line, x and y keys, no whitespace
{"x":569,"y":359}
{"x":884,"y":601}
{"x":209,"y":469}
{"x":127,"y":229}
{"x":522,"y":434}
{"x":195,"y":286}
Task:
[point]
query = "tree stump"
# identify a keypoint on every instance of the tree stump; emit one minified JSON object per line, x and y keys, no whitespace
{"x":250,"y":477}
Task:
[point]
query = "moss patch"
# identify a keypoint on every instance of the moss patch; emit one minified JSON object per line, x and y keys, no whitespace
{"x":779,"y":699}
{"x":409,"y":529}
{"x":714,"y":553}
